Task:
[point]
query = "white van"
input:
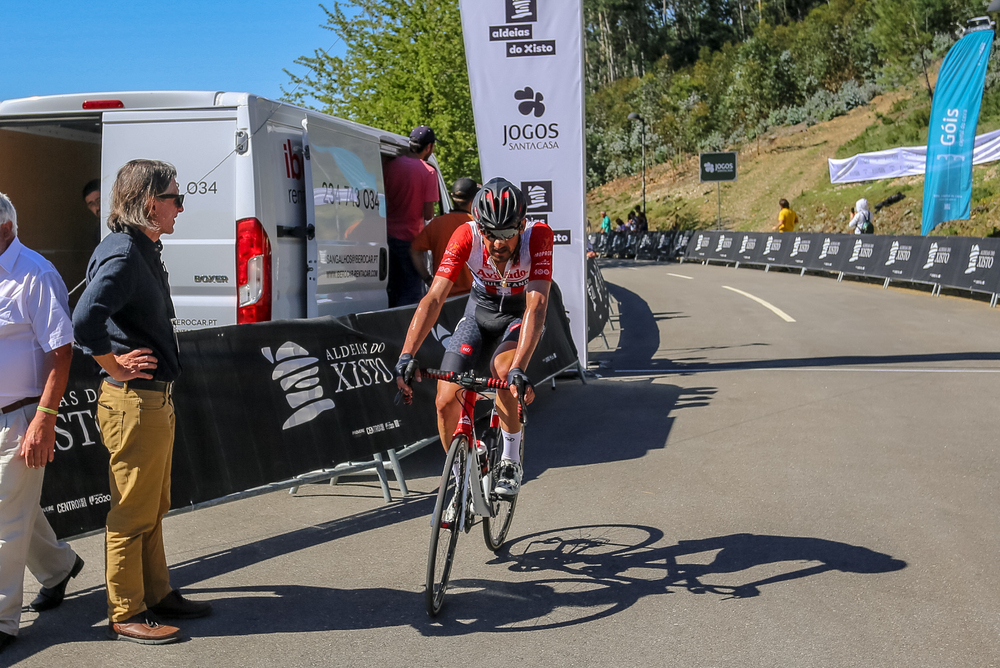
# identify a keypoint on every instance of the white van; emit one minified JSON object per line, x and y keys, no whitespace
{"x":284,"y":210}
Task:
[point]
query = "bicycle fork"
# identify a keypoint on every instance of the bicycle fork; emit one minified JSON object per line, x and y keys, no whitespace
{"x":477,"y":488}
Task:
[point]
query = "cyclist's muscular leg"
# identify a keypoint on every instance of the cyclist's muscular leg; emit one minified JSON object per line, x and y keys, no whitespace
{"x":449,"y":410}
{"x":506,"y":403}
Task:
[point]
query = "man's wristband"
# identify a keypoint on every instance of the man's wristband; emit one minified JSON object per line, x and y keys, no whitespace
{"x":47,"y":410}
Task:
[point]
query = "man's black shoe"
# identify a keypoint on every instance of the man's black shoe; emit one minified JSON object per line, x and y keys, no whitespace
{"x":49,"y":598}
{"x":5,"y":640}
{"x":175,"y":606}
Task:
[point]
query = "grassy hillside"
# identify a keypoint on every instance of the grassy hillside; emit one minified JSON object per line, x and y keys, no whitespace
{"x":791,"y":162}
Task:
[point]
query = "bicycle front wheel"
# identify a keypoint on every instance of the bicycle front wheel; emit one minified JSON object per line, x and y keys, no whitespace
{"x":444,"y":534}
{"x":495,"y":528}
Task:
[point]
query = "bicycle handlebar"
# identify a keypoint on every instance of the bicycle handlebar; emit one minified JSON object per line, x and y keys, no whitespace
{"x":470,"y":382}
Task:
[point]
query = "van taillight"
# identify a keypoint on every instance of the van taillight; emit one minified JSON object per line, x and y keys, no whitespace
{"x":103,"y":104}
{"x":253,"y":272}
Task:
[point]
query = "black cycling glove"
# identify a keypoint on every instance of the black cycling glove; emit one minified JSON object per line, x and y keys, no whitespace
{"x":519,"y":379}
{"x":405,"y":368}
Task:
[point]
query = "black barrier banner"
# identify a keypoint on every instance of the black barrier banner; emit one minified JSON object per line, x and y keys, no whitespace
{"x":775,"y":249}
{"x":646,"y":250}
{"x":681,"y":242}
{"x":803,"y":250}
{"x":702,"y":245}
{"x":975,"y":266}
{"x":861,"y":258}
{"x":598,"y":300}
{"x":724,"y":248}
{"x":748,"y":248}
{"x":832,"y":252}
{"x":958,"y":262}
{"x":601,"y":243}
{"x":665,"y":246}
{"x":897,"y":257}
{"x":938,"y":260}
{"x":261,"y":403}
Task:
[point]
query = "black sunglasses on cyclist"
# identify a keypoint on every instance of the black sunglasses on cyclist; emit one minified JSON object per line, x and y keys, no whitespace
{"x":178,"y":199}
{"x":499,"y":235}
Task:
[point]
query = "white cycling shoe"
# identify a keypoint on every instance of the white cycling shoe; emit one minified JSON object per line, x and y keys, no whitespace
{"x":509,"y":480}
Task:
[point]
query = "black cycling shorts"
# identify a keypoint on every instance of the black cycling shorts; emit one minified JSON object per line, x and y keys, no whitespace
{"x":478,"y":334}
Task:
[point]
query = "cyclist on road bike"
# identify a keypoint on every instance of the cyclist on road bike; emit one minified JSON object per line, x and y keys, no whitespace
{"x":511,"y":265}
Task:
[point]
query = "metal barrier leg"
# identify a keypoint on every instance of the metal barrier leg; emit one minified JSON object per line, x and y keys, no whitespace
{"x":382,"y":478}
{"x":993,"y":302}
{"x":803,"y":272}
{"x":886,"y":284}
{"x":579,"y":370}
{"x":400,"y":478}
{"x":767,"y":268}
{"x":840,"y":277}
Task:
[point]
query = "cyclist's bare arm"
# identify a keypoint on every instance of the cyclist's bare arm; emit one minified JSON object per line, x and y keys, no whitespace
{"x":423,"y":320}
{"x":536,"y":305}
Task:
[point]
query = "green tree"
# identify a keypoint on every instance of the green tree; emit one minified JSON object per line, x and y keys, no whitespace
{"x":903,"y":30}
{"x":404,"y":66}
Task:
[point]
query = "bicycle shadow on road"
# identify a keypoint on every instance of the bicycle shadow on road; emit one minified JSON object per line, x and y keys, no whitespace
{"x":591,"y":572}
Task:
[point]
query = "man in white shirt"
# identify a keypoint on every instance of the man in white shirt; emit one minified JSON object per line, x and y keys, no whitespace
{"x":36,"y":336}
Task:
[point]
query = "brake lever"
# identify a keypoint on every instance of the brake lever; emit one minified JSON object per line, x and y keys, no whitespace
{"x":521,"y":415}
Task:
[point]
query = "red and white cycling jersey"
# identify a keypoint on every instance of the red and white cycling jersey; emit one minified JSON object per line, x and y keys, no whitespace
{"x":533,"y":262}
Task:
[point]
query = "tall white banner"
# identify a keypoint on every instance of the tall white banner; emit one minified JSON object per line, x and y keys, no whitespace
{"x":526,"y":73}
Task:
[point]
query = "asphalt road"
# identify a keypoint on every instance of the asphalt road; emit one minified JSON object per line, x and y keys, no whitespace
{"x":737,"y":488}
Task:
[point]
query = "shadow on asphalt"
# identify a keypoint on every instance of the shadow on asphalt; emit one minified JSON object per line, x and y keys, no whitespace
{"x":591,"y":572}
{"x":83,"y":610}
{"x":580,"y":574}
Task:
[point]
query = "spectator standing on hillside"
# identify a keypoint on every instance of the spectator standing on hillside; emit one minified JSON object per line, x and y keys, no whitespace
{"x":435,"y":236}
{"x":605,"y":222}
{"x":123,"y":320}
{"x":787,"y":219}
{"x":641,"y":225}
{"x":410,"y":193}
{"x":36,"y":337}
{"x":861,"y":223}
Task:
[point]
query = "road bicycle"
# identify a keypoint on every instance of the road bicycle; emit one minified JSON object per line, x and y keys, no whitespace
{"x":468,"y":482}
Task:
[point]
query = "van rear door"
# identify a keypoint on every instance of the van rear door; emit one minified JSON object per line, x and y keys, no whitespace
{"x":200,"y":255}
{"x":346,"y":250}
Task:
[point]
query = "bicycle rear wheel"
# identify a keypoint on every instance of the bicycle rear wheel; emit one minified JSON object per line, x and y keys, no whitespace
{"x":444,"y":536}
{"x":495,"y":528}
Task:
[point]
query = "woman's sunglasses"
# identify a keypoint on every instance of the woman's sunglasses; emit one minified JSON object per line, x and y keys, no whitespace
{"x":178,"y":199}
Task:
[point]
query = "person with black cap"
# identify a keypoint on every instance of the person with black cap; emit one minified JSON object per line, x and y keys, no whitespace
{"x":411,"y":189}
{"x":435,"y":236}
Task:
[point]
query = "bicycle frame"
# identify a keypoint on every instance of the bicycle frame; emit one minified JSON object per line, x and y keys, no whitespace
{"x":484,"y":475}
{"x":474,"y":392}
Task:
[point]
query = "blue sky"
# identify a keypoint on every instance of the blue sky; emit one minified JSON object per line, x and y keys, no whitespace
{"x":58,"y":47}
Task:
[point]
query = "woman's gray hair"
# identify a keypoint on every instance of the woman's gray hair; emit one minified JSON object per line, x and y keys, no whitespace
{"x":137,"y":183}
{"x":8,"y":212}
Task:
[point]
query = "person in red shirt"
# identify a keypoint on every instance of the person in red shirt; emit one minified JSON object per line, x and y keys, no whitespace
{"x":411,"y":189}
{"x":511,"y":264}
{"x":435,"y":236}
